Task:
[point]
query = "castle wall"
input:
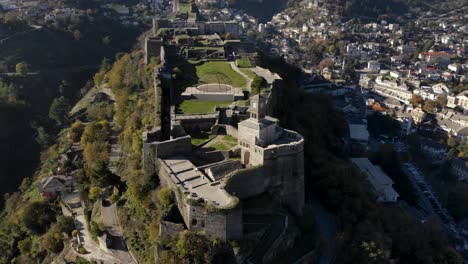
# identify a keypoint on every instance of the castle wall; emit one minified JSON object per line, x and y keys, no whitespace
{"x":285,"y":165}
{"x":228,"y":97}
{"x":154,"y":150}
{"x":170,"y":229}
{"x":230,"y":130}
{"x":198,"y":123}
{"x":223,"y":224}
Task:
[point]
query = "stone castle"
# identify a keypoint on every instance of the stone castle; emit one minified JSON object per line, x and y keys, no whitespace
{"x":209,"y":196}
{"x":213,"y":190}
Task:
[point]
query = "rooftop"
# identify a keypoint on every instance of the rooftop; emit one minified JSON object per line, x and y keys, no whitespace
{"x":195,"y":184}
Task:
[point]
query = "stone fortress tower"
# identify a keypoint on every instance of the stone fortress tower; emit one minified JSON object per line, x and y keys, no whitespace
{"x":277,"y":151}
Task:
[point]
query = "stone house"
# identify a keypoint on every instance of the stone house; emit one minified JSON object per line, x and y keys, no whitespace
{"x":55,"y":185}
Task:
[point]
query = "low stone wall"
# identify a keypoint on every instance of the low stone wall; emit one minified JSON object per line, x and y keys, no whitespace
{"x":197,"y":123}
{"x":221,"y":129}
{"x":219,"y":171}
{"x":170,"y":229}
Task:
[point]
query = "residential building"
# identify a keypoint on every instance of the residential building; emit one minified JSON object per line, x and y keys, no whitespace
{"x":380,"y":183}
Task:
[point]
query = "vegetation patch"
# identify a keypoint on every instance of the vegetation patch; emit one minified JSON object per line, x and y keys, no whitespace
{"x":201,"y":138}
{"x":219,"y":72}
{"x":244,"y":63}
{"x":201,"y":107}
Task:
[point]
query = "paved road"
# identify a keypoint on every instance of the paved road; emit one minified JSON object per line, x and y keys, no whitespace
{"x":93,"y":249}
{"x":328,"y":227}
{"x":34,"y":28}
{"x":111,"y":222}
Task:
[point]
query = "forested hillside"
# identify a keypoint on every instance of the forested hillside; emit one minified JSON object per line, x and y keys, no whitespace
{"x":39,"y":64}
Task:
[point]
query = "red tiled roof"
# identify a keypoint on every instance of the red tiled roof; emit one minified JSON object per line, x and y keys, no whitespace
{"x":435,"y":53}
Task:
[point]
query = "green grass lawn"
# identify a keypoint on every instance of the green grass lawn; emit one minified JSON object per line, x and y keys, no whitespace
{"x":201,"y":138}
{"x":220,"y":146}
{"x":219,"y":72}
{"x":230,"y":140}
{"x":201,"y":107}
{"x":243,"y":63}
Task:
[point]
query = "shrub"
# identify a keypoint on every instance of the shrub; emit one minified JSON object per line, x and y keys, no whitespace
{"x":95,"y":193}
{"x":76,"y":131}
{"x":53,"y":242}
{"x":257,"y":84}
{"x":38,"y":216}
{"x":64,"y":224}
{"x":94,"y":230}
{"x":82,"y":250}
{"x":165,"y":197}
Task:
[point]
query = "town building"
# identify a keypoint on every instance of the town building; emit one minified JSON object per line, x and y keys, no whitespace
{"x":381,"y":185}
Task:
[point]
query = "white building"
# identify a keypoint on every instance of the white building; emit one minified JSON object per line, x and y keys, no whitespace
{"x":373,"y":65}
{"x":380,"y":183}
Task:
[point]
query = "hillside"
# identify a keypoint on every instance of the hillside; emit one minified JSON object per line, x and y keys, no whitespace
{"x":58,"y":64}
{"x":369,"y":9}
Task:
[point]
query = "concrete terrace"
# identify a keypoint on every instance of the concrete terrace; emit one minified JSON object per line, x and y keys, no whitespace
{"x":189,"y":179}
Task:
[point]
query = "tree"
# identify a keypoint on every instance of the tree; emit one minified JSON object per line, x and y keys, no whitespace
{"x":257,"y":84}
{"x":194,"y":247}
{"x":451,"y":142}
{"x":100,"y":173}
{"x":43,"y":138}
{"x":95,"y":132}
{"x":106,"y":40}
{"x":95,"y":193}
{"x":76,"y":130}
{"x":38,"y":216}
{"x":430,"y":106}
{"x":59,"y":110}
{"x":24,"y":246}
{"x":416,"y":100}
{"x":99,"y":78}
{"x":457,"y":202}
{"x":77,"y":35}
{"x":53,"y":242}
{"x":326,"y":63}
{"x":228,"y":36}
{"x":441,"y":101}
{"x":21,"y":68}
{"x":106,"y":63}
{"x":64,"y":224}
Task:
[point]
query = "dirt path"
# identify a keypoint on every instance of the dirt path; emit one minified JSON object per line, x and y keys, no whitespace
{"x":235,"y":68}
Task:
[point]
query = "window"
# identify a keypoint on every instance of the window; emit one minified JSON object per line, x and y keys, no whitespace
{"x":194,"y":221}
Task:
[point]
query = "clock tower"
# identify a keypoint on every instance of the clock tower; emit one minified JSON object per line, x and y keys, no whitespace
{"x":257,"y":107}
